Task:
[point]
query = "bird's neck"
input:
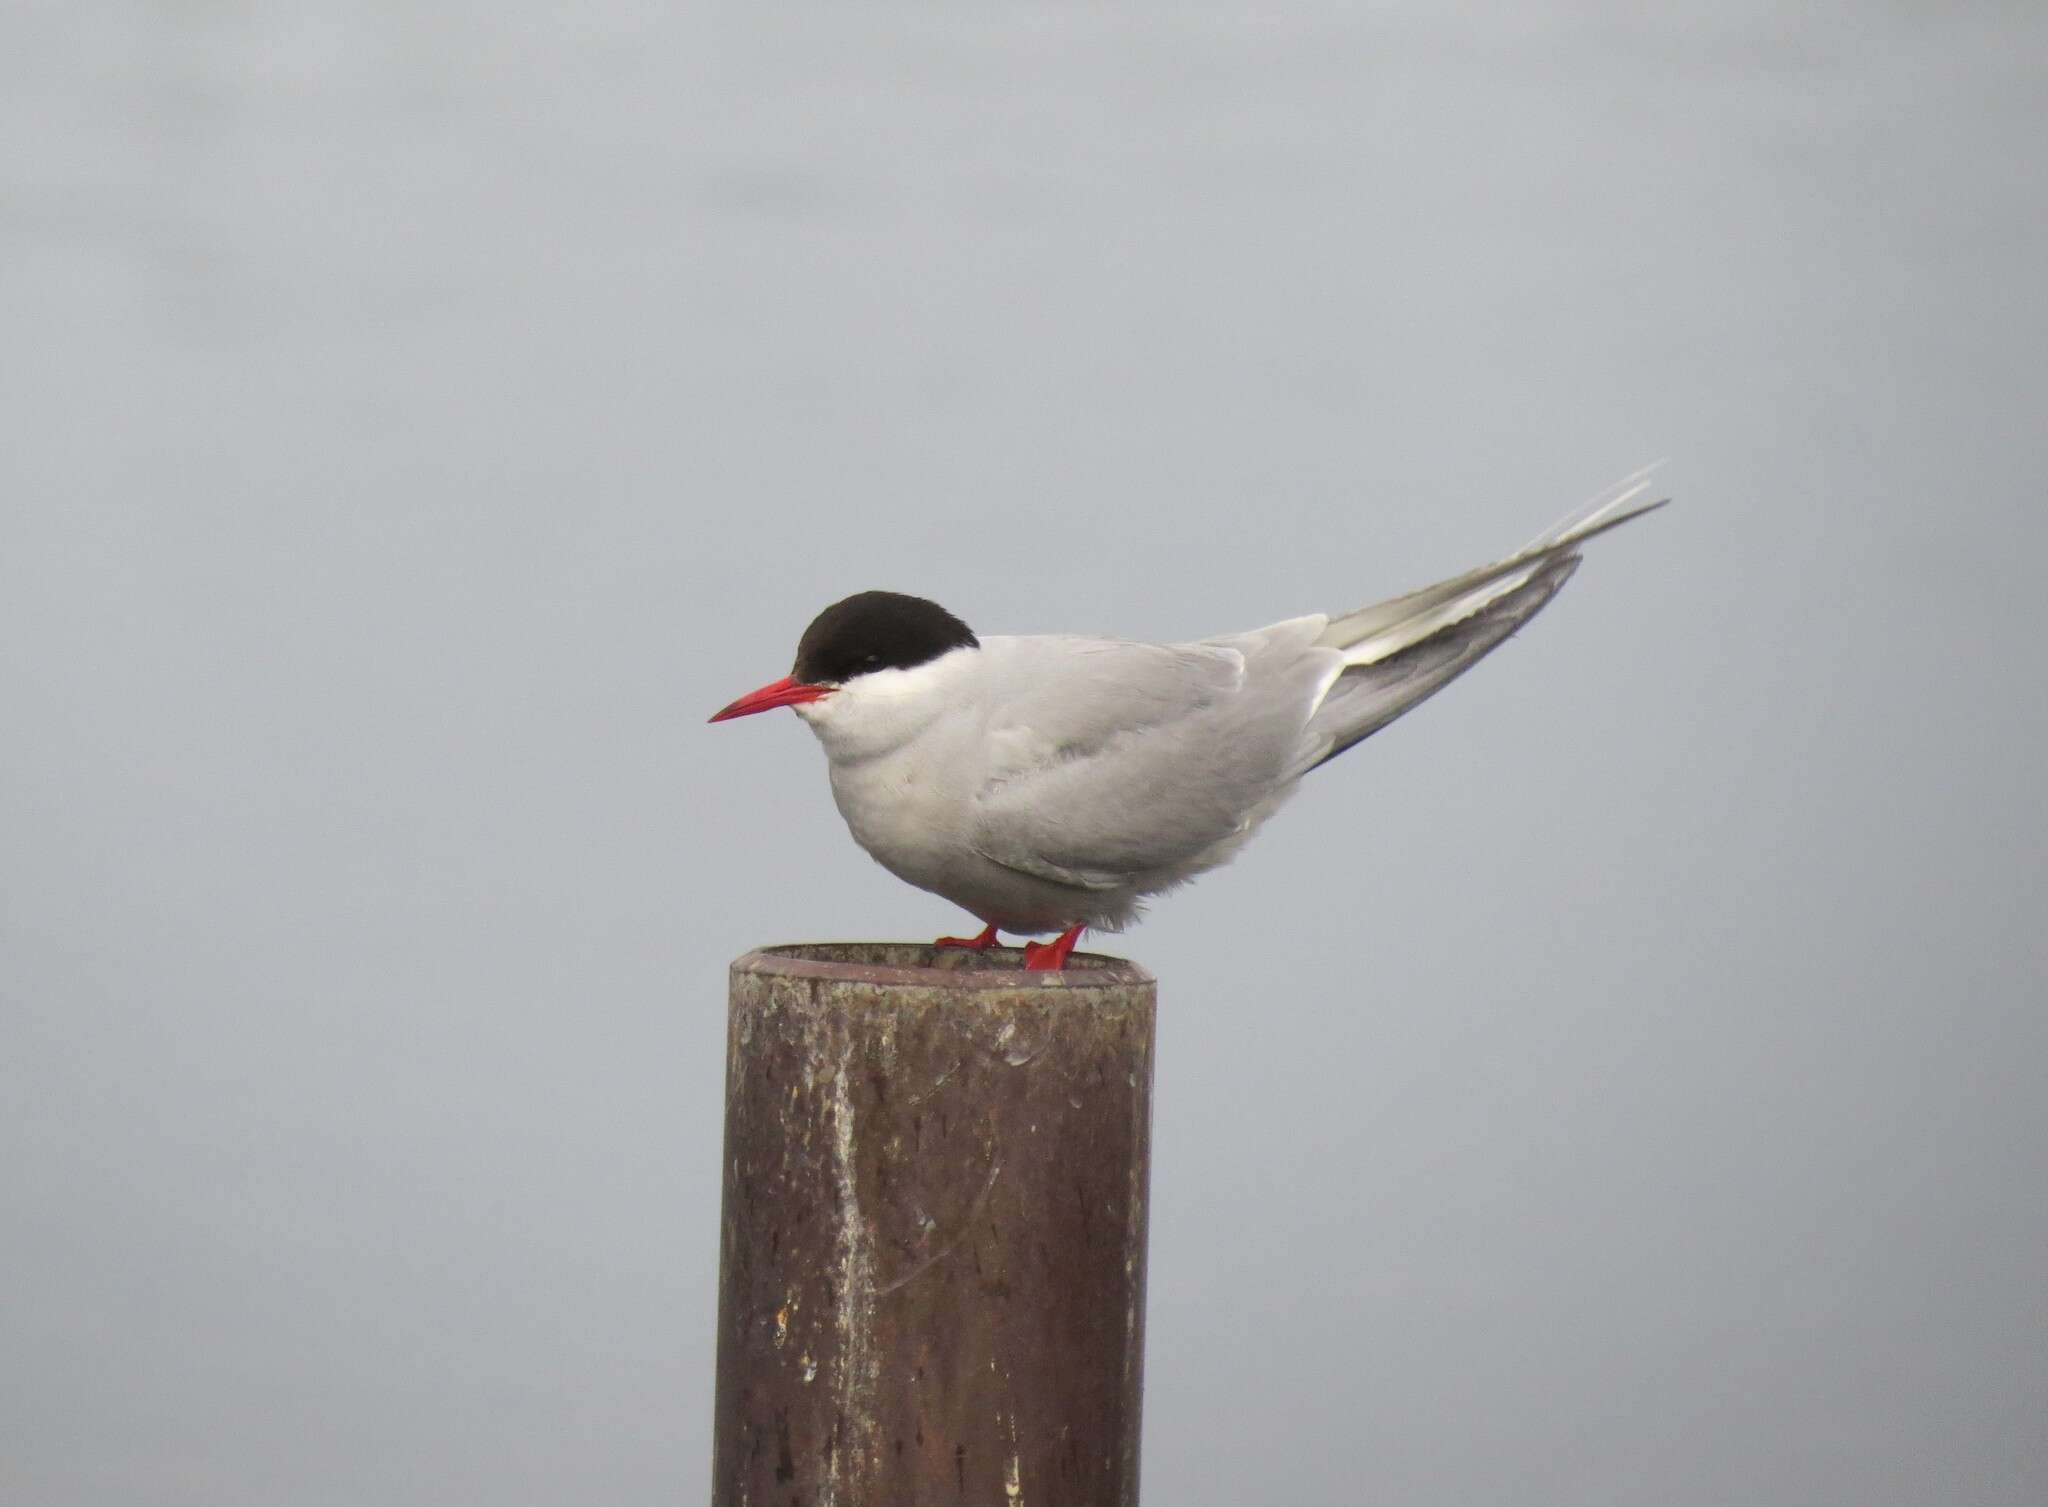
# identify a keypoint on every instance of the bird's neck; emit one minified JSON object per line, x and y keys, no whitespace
{"x":876,"y":714}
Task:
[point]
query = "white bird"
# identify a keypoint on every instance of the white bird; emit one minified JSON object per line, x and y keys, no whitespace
{"x":1052,"y":783}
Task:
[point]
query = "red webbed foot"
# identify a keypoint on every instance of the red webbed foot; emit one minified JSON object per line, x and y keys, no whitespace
{"x":981,"y":943}
{"x":1042,"y":957}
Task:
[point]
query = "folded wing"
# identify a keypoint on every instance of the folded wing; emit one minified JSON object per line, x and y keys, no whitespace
{"x":1116,"y":761}
{"x":1113,"y":763}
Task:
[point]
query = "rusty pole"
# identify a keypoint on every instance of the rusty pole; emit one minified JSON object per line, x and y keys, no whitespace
{"x":932,"y":1269}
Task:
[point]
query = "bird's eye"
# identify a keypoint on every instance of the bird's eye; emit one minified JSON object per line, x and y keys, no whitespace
{"x":870,"y":661}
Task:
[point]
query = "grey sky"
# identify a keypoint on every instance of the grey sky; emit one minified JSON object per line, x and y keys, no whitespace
{"x":419,"y":420}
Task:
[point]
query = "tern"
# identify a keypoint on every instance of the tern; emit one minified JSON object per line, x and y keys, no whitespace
{"x":1052,"y":783}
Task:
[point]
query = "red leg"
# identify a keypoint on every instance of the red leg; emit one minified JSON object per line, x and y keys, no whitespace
{"x":981,"y":943}
{"x":1046,"y":956}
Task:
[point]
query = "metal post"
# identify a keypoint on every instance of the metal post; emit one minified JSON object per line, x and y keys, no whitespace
{"x":932,"y":1272}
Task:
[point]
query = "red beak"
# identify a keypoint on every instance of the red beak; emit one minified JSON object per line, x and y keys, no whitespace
{"x":783,"y":692}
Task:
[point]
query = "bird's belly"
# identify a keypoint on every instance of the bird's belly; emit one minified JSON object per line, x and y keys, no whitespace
{"x":923,"y":835}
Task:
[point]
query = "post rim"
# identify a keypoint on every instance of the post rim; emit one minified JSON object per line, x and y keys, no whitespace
{"x":940,"y":968}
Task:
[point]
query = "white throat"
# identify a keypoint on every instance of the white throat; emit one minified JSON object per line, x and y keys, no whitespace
{"x":879,"y":712}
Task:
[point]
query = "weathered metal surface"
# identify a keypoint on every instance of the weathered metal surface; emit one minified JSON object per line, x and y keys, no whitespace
{"x":932,"y":1278}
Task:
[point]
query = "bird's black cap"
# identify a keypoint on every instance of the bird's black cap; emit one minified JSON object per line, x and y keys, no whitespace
{"x":876,"y":630}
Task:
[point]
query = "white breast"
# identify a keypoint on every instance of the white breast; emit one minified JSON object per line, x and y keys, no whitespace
{"x":903,"y":746}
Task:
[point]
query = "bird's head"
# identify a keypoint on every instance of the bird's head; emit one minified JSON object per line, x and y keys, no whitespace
{"x":867,"y":634}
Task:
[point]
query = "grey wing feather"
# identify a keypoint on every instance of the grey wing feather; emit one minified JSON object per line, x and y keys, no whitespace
{"x":1399,"y":653}
{"x":1386,"y":628}
{"x":1140,"y":760}
{"x":1135,"y":759}
{"x":1366,"y":698}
